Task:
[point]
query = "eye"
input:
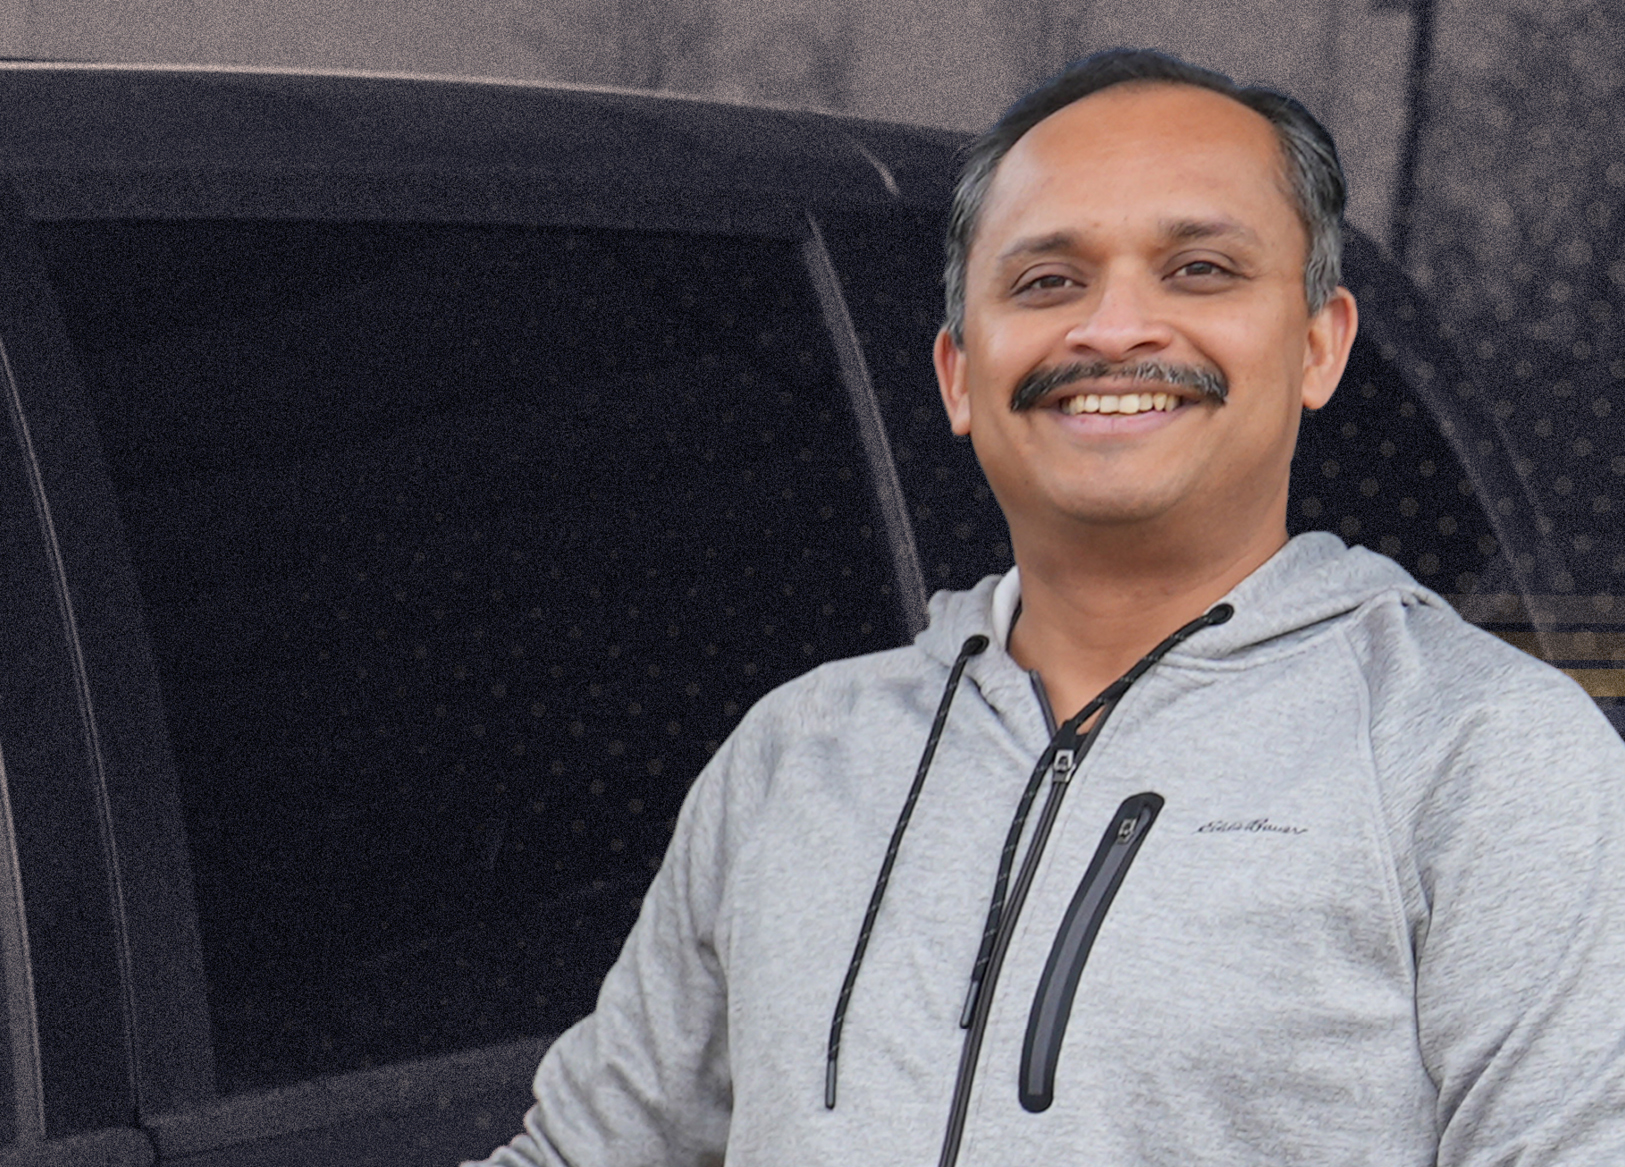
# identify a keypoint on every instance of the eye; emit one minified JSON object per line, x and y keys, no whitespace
{"x":1201,"y":268}
{"x":1048,"y":282}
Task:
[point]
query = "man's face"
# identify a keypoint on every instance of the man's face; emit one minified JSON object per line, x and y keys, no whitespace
{"x":1145,"y":226}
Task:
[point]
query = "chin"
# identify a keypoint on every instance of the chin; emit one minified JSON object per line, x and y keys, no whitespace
{"x":1116,"y":512}
{"x":1116,"y":501}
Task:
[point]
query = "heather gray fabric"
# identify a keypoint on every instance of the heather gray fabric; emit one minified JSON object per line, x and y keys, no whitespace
{"x":1381,"y":919}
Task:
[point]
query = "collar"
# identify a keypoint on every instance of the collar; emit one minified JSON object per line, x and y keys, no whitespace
{"x":1006,"y":606}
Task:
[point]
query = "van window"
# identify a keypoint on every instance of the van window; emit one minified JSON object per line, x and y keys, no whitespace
{"x":461,"y":550}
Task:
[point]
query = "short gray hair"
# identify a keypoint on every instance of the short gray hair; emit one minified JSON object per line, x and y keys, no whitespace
{"x":1312,"y":170}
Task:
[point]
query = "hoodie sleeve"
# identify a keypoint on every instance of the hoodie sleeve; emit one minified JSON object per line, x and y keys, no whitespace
{"x":1520,"y":992}
{"x":645,"y":1078}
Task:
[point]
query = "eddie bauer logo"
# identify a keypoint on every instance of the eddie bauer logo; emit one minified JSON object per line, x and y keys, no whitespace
{"x":1254,"y":825}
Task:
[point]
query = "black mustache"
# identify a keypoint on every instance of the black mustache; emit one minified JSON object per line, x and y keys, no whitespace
{"x":1038,"y":384}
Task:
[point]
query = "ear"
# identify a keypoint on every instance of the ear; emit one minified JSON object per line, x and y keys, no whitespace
{"x":1326,"y":349}
{"x":949,"y":359}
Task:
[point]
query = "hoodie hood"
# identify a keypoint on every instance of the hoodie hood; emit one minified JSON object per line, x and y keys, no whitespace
{"x":1313,"y":578}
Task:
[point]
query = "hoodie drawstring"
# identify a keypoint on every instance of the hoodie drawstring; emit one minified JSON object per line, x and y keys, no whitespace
{"x":1064,"y":743}
{"x":972,"y":647}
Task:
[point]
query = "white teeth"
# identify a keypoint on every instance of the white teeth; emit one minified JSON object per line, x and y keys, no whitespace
{"x":1129,"y":403}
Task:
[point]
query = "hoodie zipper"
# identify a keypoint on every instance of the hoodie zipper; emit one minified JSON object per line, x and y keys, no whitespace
{"x":1052,"y":1003}
{"x":1061,"y":763}
{"x":1062,"y":758}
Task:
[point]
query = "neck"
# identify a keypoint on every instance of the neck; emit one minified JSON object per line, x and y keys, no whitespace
{"x":1087,"y":615}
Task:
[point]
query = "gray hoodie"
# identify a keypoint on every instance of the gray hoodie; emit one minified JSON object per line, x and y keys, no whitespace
{"x":1337,"y":880}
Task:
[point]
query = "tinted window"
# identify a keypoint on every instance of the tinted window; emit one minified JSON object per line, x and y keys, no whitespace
{"x":1373,"y":467}
{"x":895,"y":295}
{"x":461,"y":550}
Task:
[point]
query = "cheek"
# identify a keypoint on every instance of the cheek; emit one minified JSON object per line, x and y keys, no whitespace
{"x":1263,"y":360}
{"x":994,"y":365}
{"x":999,"y":363}
{"x":1009,"y":341}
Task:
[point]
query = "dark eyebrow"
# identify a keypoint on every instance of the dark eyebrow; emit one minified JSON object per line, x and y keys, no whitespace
{"x":1180,"y":230}
{"x":1040,"y":245}
{"x":1173,"y":230}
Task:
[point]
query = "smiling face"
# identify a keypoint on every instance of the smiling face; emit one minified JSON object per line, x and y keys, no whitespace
{"x":1141,"y":235}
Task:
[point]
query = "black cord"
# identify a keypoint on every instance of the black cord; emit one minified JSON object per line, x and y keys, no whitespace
{"x":972,"y":647}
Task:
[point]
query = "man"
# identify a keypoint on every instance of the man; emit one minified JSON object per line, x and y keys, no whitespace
{"x":1312,"y":872}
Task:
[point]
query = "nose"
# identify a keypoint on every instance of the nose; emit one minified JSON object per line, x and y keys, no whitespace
{"x":1122,"y":320}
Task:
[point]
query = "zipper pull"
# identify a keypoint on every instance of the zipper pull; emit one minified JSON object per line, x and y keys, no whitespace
{"x":1061,"y":768}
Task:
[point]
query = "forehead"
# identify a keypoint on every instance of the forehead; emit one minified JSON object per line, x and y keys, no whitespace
{"x":1152,"y":151}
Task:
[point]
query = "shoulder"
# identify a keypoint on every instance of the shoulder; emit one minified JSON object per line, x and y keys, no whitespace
{"x":1417,"y":652}
{"x":835,"y":700}
{"x":829,"y":696}
{"x":1459,"y":718}
{"x":792,"y":729}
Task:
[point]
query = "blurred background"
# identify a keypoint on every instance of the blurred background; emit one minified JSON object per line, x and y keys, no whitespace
{"x":1482,"y":138}
{"x":955,"y":64}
